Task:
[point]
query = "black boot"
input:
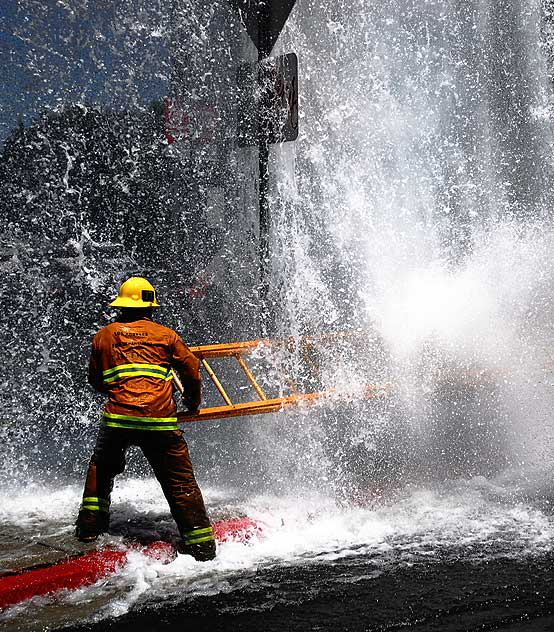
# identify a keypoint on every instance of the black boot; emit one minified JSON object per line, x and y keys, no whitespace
{"x":90,"y":524}
{"x":202,"y":551}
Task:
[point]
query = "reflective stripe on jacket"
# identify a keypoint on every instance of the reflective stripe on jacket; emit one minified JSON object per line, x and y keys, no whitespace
{"x":131,"y":362}
{"x":136,"y":370}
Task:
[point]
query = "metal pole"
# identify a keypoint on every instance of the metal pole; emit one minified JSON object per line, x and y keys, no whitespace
{"x":267,"y":316}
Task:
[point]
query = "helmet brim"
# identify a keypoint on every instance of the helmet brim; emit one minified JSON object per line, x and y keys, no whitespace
{"x":129,"y":302}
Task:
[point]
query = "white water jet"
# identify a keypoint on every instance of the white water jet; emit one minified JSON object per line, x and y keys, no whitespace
{"x":417,"y":205}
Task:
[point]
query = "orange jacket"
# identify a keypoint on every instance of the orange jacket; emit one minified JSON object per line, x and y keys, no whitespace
{"x":131,"y":362}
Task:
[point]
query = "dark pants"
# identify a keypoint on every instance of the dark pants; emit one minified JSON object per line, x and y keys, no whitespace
{"x":168,"y":455}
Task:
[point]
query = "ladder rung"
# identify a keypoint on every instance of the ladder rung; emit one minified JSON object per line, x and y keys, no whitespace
{"x":292,"y":387}
{"x":217,"y":383}
{"x":249,"y":375}
{"x":309,"y":360}
{"x":177,"y":381}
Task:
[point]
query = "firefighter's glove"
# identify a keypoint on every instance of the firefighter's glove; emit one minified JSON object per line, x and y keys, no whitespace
{"x":190,"y":405}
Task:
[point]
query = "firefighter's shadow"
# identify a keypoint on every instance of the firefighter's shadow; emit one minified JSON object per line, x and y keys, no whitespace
{"x":142,"y":527}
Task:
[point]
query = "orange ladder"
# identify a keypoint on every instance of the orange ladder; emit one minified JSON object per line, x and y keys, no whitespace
{"x":262,"y":405}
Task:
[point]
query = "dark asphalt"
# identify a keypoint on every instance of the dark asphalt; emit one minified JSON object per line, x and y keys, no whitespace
{"x":451,"y":596}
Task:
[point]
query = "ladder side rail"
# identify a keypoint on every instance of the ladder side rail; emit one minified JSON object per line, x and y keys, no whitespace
{"x":226,"y":349}
{"x":270,"y":405}
{"x":307,"y":342}
{"x":249,"y":408}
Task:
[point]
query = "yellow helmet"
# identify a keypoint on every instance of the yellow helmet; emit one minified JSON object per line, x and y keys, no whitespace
{"x":136,"y":292}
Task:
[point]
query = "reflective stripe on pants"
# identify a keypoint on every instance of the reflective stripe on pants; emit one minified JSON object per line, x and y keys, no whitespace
{"x":93,"y":503}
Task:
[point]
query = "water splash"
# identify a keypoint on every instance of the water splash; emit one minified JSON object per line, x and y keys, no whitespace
{"x":416,"y":206}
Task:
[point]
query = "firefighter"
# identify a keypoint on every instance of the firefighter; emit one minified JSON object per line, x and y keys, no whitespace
{"x":131,"y":361}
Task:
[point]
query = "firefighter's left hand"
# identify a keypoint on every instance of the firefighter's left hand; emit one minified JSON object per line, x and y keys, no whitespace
{"x":191,"y":406}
